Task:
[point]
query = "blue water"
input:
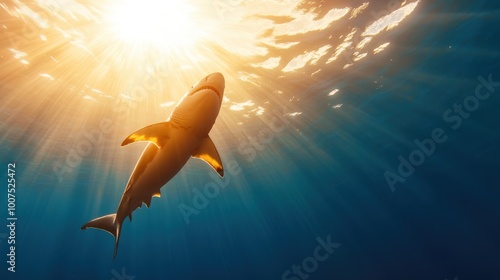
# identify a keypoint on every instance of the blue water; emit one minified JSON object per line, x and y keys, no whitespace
{"x":320,"y":177}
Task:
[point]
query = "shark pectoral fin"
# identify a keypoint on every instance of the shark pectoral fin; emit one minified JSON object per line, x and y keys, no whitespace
{"x":156,"y":133}
{"x":207,"y":152}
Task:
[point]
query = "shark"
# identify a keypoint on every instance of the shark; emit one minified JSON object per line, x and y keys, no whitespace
{"x":171,"y":144}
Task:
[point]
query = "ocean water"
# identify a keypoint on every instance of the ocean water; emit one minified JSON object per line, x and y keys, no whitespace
{"x":345,"y":157}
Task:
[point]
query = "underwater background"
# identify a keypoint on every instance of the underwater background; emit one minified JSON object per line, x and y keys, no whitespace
{"x":360,"y":139}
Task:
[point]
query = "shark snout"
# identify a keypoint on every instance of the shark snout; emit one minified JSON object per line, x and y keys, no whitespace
{"x":214,"y":82}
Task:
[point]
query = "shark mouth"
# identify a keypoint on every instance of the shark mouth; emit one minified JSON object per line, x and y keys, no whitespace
{"x":209,"y":88}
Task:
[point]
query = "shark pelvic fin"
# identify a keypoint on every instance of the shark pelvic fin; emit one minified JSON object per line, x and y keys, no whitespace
{"x":147,"y":201}
{"x":107,"y":223}
{"x":156,"y":133}
{"x":207,"y":152}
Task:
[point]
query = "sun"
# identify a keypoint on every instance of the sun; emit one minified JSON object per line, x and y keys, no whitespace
{"x":164,"y":23}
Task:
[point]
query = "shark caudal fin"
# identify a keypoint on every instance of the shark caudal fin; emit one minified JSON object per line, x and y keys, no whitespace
{"x":107,"y":223}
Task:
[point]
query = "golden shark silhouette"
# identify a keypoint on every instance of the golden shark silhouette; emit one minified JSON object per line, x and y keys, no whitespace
{"x":172,"y":143}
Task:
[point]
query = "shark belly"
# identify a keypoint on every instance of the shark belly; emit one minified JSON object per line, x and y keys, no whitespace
{"x":155,"y":168}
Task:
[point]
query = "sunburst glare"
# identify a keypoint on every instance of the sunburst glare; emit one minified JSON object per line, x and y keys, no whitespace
{"x":132,"y":60}
{"x":165,"y":24}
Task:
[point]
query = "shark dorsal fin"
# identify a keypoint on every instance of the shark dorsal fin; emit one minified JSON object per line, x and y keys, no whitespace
{"x":156,"y":133}
{"x":207,"y":152}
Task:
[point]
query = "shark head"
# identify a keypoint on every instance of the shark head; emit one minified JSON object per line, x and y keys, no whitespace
{"x":214,"y":82}
{"x":201,"y":104}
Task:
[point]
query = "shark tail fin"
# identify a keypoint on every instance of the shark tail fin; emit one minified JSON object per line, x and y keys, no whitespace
{"x":107,"y":223}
